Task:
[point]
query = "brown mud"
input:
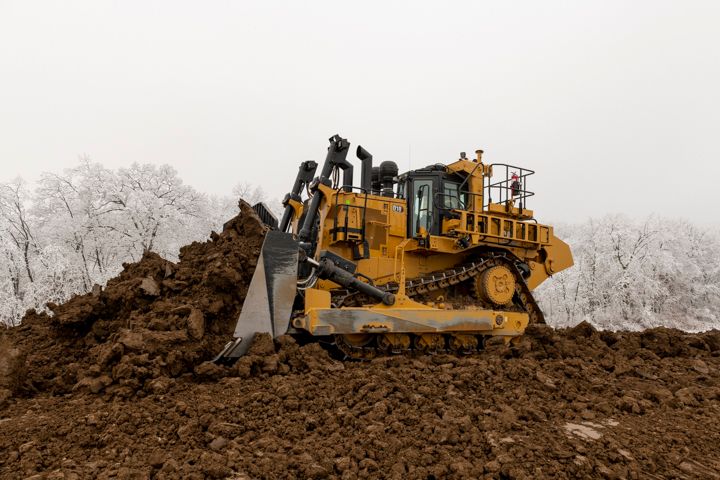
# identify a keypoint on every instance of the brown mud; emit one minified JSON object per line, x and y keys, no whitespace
{"x":117,"y":385}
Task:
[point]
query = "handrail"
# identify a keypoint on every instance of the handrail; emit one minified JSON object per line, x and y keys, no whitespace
{"x":348,"y":189}
{"x":502,"y":187}
{"x":401,"y":279}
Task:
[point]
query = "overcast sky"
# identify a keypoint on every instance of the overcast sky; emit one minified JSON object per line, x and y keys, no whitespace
{"x":615,"y":104}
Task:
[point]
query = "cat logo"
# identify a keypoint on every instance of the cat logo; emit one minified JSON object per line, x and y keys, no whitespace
{"x":397,"y":208}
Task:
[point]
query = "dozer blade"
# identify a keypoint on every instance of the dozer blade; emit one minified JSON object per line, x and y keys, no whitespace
{"x":270,"y":297}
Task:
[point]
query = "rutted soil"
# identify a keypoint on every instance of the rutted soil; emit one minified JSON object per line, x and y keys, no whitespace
{"x":117,"y":385}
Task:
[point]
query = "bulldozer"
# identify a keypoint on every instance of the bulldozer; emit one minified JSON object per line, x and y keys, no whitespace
{"x":437,"y":259}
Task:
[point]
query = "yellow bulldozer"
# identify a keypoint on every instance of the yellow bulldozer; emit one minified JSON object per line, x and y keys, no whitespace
{"x":434,"y":259}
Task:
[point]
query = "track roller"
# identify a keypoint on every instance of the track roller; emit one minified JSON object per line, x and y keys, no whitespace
{"x":463,"y":343}
{"x":428,"y":342}
{"x":393,"y":342}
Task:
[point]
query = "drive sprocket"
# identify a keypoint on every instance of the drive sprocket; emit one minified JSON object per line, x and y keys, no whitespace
{"x":496,"y":285}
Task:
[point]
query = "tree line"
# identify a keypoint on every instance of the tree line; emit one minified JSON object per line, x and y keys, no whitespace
{"x":635,"y":274}
{"x":75,"y":229}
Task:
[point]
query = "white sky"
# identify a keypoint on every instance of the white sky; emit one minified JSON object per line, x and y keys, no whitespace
{"x":613,"y":103}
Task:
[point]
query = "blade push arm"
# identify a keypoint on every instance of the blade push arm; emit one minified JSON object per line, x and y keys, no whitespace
{"x":336,"y":158}
{"x":306,"y":172}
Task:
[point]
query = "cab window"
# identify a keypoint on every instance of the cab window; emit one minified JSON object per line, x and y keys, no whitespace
{"x":401,"y":190}
{"x":452,"y":197}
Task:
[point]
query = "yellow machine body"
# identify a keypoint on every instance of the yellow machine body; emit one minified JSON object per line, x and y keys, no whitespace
{"x":375,"y":227}
{"x":434,"y":259}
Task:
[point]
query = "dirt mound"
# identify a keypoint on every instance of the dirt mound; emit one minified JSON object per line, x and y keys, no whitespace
{"x":156,"y":319}
{"x":573,"y":403}
{"x":117,"y":384}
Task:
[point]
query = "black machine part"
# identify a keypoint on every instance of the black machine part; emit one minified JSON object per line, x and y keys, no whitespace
{"x":328,"y":270}
{"x":366,"y":173}
{"x":339,"y":261}
{"x":336,"y":158}
{"x":375,"y":184}
{"x":267,"y":217}
{"x":388,"y":174}
{"x":306,"y":172}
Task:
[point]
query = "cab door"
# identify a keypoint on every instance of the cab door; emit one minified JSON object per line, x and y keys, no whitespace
{"x":422,"y":208}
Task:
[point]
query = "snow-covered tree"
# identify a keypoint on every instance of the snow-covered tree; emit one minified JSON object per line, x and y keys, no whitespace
{"x":77,"y":228}
{"x":634,"y":275}
{"x":254,"y":194}
{"x":18,"y":246}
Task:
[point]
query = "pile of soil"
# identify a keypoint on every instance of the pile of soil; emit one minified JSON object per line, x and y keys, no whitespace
{"x":157,"y":319}
{"x":117,"y":385}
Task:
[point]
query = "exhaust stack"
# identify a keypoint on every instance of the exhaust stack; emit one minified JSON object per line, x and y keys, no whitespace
{"x":366,"y":173}
{"x":375,"y":180}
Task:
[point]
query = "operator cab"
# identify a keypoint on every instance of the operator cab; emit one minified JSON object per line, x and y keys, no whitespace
{"x":432,"y":194}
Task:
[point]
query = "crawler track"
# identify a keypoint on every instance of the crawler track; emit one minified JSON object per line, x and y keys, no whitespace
{"x":455,"y":281}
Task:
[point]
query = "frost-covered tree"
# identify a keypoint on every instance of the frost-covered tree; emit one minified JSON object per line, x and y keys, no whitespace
{"x":18,"y":248}
{"x":633,"y":275}
{"x":17,"y":226}
{"x":77,"y":228}
{"x":249,"y":192}
{"x":254,"y":194}
{"x":154,"y":209}
{"x":12,"y":279}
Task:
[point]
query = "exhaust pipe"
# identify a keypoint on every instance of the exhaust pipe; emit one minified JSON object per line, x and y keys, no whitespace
{"x":375,"y":180}
{"x":348,"y":178}
{"x":366,"y":173}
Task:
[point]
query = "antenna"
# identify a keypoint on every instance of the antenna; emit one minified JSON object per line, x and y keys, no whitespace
{"x":409,"y":157}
